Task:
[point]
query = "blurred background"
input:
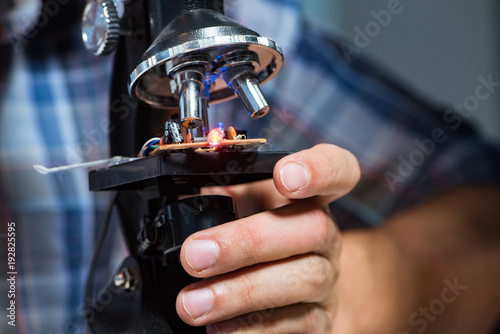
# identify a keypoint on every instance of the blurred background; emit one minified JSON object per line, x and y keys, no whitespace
{"x":438,"y":48}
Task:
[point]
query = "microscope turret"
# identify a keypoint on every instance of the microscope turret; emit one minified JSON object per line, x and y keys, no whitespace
{"x":198,"y":57}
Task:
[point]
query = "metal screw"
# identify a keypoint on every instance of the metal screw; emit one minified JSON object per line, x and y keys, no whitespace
{"x":126,"y":279}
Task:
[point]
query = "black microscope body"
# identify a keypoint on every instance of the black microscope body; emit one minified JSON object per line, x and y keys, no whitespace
{"x":172,"y":59}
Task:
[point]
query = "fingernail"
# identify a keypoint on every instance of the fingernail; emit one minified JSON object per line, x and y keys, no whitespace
{"x":198,"y":302}
{"x":201,"y":254}
{"x":225,"y":327}
{"x":294,"y":177}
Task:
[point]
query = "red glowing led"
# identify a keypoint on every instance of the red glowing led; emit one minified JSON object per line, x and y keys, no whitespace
{"x":215,"y":137}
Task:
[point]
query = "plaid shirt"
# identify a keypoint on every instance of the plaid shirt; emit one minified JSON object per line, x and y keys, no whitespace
{"x":54,"y":112}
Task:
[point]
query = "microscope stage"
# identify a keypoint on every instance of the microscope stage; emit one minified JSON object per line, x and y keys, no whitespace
{"x":176,"y":173}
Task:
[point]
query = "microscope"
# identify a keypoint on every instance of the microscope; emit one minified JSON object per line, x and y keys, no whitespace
{"x":172,"y":60}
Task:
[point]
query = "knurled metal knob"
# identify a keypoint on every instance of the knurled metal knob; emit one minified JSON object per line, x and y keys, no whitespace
{"x":100,"y":27}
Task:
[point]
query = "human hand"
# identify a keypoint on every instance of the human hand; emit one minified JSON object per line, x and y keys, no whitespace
{"x":274,"y":271}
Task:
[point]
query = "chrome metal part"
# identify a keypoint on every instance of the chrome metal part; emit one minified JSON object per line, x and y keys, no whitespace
{"x":198,"y":133}
{"x":237,"y":58}
{"x":210,"y":38}
{"x":100,"y":27}
{"x":190,"y":83}
{"x":242,"y":80}
{"x":206,"y":124}
{"x":126,"y":279}
{"x":248,"y":90}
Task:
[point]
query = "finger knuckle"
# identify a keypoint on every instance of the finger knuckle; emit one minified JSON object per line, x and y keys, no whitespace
{"x":258,"y":320}
{"x":315,"y":319}
{"x":249,"y":242}
{"x":245,"y":290}
{"x":320,"y":277}
{"x":325,"y":230}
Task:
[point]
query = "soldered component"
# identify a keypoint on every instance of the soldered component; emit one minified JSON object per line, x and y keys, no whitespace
{"x":173,"y":131}
{"x":166,"y":135}
{"x":231,"y":133}
{"x":225,"y":144}
{"x":215,"y":141}
{"x":215,"y":137}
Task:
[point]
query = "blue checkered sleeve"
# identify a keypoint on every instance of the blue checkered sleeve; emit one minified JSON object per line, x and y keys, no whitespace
{"x":53,"y":112}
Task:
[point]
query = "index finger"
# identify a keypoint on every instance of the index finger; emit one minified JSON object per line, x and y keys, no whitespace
{"x":269,"y":236}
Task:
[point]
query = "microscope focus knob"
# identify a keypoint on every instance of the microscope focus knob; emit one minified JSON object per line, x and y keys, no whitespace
{"x":100,"y":27}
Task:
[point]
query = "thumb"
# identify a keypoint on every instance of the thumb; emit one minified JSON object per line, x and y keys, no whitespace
{"x":325,"y":170}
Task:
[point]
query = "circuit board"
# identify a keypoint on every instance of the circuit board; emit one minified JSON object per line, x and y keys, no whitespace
{"x":206,"y":146}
